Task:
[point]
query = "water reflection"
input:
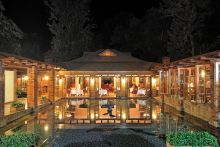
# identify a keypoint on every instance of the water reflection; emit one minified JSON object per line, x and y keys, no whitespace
{"x":71,"y":112}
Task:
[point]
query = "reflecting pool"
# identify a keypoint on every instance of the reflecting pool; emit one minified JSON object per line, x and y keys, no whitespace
{"x":90,"y":113}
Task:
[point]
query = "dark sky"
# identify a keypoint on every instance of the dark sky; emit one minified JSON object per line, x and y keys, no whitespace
{"x":31,"y":15}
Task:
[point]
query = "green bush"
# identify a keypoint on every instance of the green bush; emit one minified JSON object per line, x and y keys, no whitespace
{"x":20,"y":139}
{"x":21,"y":94}
{"x":84,"y":105}
{"x":190,"y":138}
{"x":17,"y":104}
{"x":132,"y":104}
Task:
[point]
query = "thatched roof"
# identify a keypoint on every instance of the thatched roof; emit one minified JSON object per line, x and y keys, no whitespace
{"x":107,"y":60}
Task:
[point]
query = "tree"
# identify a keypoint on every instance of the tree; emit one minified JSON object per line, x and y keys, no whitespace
{"x":70,"y":25}
{"x":31,"y":46}
{"x":187,"y":21}
{"x":10,"y":34}
{"x":143,"y":38}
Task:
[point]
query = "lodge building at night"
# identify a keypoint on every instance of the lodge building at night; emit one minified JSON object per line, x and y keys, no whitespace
{"x":190,"y":85}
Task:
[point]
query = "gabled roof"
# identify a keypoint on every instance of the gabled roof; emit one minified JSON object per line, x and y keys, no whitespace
{"x":107,"y":60}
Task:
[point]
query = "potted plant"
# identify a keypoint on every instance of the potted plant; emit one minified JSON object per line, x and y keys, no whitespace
{"x":83,"y":105}
{"x":191,"y":138}
{"x":21,"y":94}
{"x":44,"y":99}
{"x":132,"y":104}
{"x":17,"y":106}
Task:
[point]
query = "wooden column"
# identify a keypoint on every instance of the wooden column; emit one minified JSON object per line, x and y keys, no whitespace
{"x":212,"y":83}
{"x":216,"y":97}
{"x":2,"y":90}
{"x":150,"y":87}
{"x":51,"y":85}
{"x":32,"y":87}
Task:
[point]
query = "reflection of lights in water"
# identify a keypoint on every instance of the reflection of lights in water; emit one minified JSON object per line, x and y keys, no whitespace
{"x":154,"y":116}
{"x":123,"y":116}
{"x":60,"y":116}
{"x":46,"y":127}
{"x":60,"y":126}
{"x":68,"y":115}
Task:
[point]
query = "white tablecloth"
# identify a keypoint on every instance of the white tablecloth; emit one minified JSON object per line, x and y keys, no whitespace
{"x":76,"y":92}
{"x":141,"y":102}
{"x":141,"y":91}
{"x":103,"y":92}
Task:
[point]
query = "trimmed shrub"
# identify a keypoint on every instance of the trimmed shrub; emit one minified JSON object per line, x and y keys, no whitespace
{"x":190,"y":138}
{"x":20,"y":139}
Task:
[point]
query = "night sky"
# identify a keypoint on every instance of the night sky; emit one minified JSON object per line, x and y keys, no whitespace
{"x":31,"y":15}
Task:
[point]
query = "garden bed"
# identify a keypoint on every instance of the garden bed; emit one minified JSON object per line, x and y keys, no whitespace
{"x":191,"y":138}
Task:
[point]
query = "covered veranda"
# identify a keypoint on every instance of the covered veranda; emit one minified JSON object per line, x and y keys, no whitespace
{"x":107,"y":74}
{"x":24,"y":83}
{"x":192,"y":85}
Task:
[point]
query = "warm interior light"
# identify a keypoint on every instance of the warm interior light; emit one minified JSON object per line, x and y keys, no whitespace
{"x":97,"y":115}
{"x":25,"y":78}
{"x":154,"y":116}
{"x":60,"y":116}
{"x":46,"y":78}
{"x":203,"y":73}
{"x":92,"y":116}
{"x":123,"y":81}
{"x":92,"y":81}
{"x":123,"y":116}
{"x":60,"y":81}
{"x":153,"y":81}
